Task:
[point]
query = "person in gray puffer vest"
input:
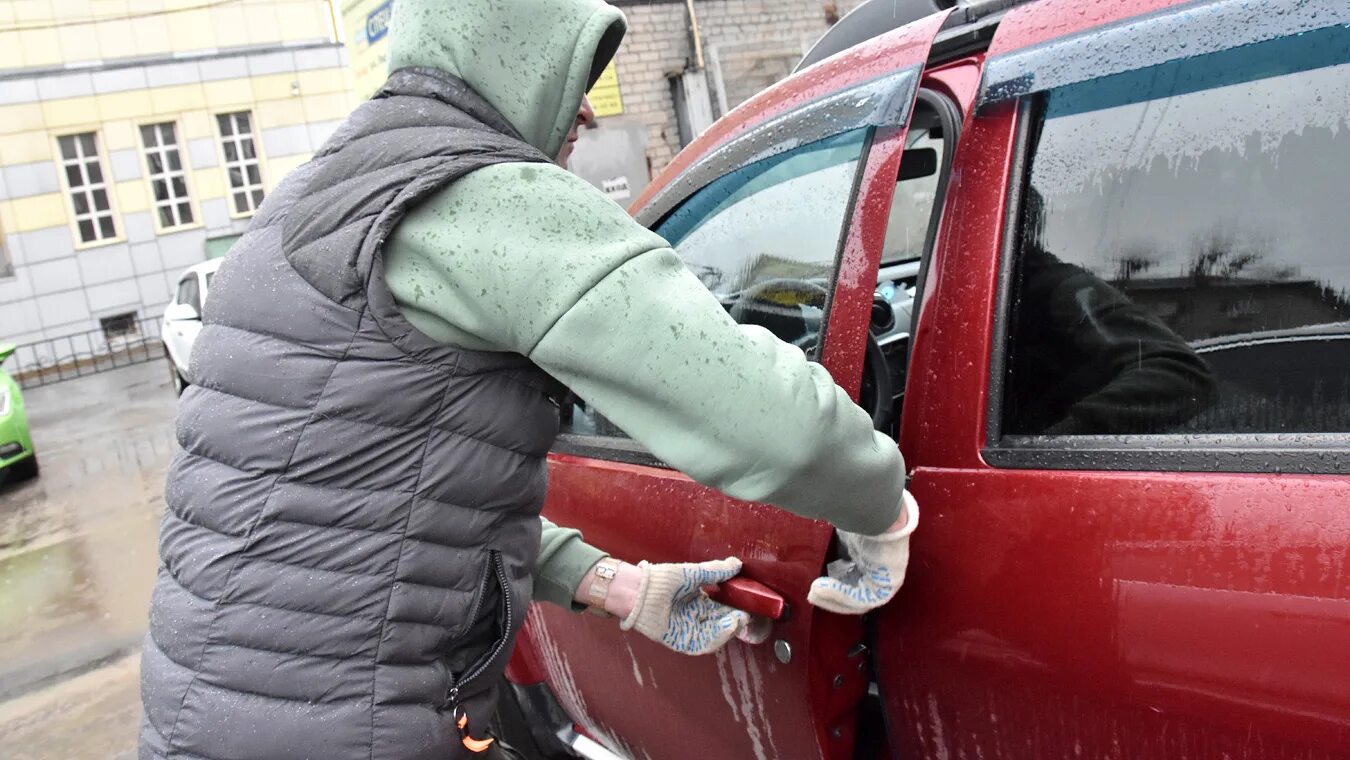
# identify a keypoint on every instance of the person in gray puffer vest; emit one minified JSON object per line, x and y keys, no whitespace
{"x":353,"y":530}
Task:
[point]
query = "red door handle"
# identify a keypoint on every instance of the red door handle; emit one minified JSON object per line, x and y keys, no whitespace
{"x":753,"y":597}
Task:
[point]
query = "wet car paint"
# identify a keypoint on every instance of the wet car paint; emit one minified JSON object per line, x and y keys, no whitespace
{"x":14,"y":429}
{"x":1148,"y":615}
{"x":1092,"y":614}
{"x":756,"y":705}
{"x":1131,"y":615}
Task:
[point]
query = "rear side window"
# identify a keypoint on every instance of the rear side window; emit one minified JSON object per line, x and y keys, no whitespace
{"x":1183,"y":263}
{"x":188,"y":293}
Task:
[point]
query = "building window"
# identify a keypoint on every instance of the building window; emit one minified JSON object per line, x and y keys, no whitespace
{"x":168,"y":183}
{"x":88,"y":190}
{"x":241,"y":161}
{"x":120,"y":329}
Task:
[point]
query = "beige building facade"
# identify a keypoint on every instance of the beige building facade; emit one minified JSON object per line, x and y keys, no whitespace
{"x":137,"y":137}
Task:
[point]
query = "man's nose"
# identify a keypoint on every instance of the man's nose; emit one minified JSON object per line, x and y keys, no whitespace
{"x":586,"y":116}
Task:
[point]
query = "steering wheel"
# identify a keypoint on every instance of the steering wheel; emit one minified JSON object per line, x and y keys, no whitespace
{"x":777,"y":305}
{"x":781,"y":306}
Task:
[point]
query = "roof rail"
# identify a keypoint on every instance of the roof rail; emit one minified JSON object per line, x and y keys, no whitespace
{"x":870,"y":19}
{"x":970,"y":11}
{"x":877,"y":17}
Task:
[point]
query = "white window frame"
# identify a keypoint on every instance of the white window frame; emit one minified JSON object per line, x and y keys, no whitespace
{"x":87,"y":189}
{"x":237,"y":140}
{"x":167,"y":175}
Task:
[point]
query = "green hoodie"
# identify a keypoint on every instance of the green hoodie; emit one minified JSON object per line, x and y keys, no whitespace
{"x":529,"y":258}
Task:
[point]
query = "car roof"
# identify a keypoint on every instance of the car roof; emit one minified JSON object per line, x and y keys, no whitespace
{"x":870,"y":19}
{"x":206,"y":267}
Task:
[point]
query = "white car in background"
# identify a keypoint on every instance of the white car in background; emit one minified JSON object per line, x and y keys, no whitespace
{"x":183,"y":320}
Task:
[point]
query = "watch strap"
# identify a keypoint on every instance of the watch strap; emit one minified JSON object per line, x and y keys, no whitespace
{"x":605,"y":571}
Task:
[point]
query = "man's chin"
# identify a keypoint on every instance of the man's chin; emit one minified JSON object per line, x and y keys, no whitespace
{"x":565,"y":155}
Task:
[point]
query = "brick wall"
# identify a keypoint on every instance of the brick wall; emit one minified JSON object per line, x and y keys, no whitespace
{"x":755,"y":39}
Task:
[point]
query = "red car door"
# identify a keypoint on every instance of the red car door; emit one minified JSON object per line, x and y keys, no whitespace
{"x":1128,"y":411}
{"x":783,"y":190}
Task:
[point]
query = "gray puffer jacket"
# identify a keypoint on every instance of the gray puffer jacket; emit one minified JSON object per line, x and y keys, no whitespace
{"x":353,"y":521}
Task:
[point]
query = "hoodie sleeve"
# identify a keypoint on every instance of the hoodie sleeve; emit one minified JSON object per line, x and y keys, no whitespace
{"x":532,"y":259}
{"x":564,"y":560}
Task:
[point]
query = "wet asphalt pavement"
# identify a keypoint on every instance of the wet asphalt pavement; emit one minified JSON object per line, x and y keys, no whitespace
{"x":77,"y":563}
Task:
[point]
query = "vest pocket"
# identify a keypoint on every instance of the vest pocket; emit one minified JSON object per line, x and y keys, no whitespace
{"x":485,"y":640}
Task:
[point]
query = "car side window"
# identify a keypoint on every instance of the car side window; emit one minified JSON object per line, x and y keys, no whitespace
{"x":916,"y":189}
{"x":1182,"y":265}
{"x":911,"y":230}
{"x":188,"y":293}
{"x":764,"y":238}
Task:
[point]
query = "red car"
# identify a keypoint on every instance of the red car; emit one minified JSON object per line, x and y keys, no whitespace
{"x":1088,"y":261}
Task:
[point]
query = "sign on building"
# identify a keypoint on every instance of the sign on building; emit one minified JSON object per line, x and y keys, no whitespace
{"x":605,"y":97}
{"x":366,"y":25}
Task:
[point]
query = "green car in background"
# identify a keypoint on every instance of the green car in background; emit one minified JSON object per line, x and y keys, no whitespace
{"x":17,"y":458}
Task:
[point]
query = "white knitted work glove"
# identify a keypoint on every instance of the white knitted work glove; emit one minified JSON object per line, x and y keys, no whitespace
{"x":672,"y":608}
{"x":873,"y":575}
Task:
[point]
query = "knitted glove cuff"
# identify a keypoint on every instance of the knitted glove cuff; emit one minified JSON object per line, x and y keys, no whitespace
{"x":651,"y":612}
{"x":911,"y":511}
{"x":863,"y":548}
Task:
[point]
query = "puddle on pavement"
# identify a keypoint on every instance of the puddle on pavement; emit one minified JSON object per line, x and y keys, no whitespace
{"x":78,"y":544}
{"x":75,"y":599}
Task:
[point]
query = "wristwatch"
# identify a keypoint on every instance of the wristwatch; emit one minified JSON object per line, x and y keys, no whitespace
{"x":605,"y":570}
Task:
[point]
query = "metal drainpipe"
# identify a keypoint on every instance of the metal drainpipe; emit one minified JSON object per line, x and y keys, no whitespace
{"x":693,"y":30}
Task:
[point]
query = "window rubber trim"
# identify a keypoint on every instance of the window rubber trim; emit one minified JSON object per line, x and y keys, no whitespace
{"x":606,"y":448}
{"x":1018,"y":178}
{"x":950,"y":115}
{"x":1271,"y":453}
{"x":1262,"y":453}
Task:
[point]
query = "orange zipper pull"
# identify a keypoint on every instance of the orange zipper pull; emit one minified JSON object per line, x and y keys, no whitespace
{"x":470,"y":743}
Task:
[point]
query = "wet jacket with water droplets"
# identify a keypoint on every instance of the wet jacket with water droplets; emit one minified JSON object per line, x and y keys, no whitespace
{"x":353,"y":521}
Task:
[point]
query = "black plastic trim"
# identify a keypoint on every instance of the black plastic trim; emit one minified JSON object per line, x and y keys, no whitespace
{"x":961,"y":37}
{"x":1171,"y":33}
{"x":950,"y":115}
{"x":882,"y":101}
{"x":1012,"y":235}
{"x":608,"y":448}
{"x":1320,"y":454}
{"x":530,"y":715}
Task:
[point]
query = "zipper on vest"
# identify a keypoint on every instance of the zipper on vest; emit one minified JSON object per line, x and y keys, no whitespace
{"x":496,"y":570}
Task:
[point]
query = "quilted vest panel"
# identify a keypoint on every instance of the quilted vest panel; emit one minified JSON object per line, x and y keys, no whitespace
{"x":353,"y":519}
